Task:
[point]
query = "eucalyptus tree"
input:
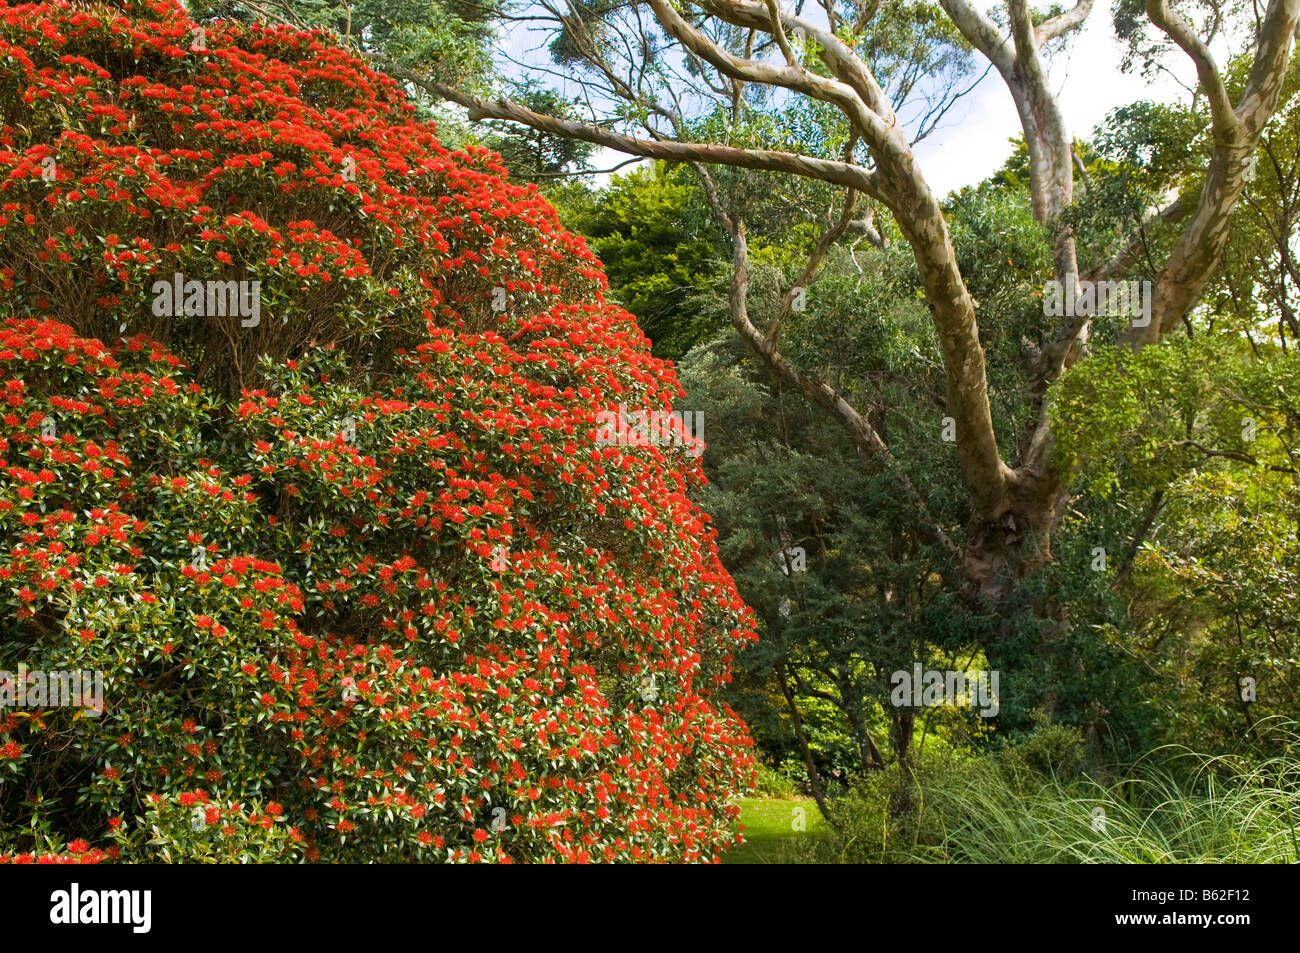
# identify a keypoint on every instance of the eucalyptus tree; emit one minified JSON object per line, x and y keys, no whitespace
{"x":686,"y":81}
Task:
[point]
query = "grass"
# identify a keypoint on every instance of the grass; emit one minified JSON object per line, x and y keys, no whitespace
{"x":1244,"y":817}
{"x":770,"y":837}
{"x":1173,"y":806}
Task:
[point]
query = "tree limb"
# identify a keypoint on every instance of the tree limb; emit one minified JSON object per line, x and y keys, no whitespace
{"x":1063,"y":23}
{"x":793,"y":76}
{"x":1171,"y":22}
{"x":824,"y":170}
{"x":981,"y":32}
{"x":1197,"y":252}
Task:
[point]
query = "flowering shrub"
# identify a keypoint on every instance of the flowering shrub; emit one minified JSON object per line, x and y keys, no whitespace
{"x":361,"y":581}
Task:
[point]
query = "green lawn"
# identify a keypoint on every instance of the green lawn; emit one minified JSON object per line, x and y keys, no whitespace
{"x":770,"y":835}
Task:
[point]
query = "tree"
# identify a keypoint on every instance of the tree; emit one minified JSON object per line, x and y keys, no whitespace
{"x":651,"y":230}
{"x":301,"y":452}
{"x":821,"y":546}
{"x":1199,"y":441}
{"x":448,"y":38}
{"x":535,"y":156}
{"x":742,"y":53}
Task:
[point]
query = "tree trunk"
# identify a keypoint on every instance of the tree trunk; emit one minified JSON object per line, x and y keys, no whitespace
{"x":814,"y":779}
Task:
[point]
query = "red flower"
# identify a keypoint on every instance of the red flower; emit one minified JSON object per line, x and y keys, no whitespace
{"x":350,"y":538}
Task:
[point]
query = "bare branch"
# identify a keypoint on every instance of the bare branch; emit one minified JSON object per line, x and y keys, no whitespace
{"x":1171,"y":22}
{"x":793,"y":77}
{"x":1197,"y":252}
{"x":842,"y":61}
{"x":901,"y":187}
{"x":1063,"y":23}
{"x":775,"y":13}
{"x":825,"y":170}
{"x":581,"y":172}
{"x":865,"y":227}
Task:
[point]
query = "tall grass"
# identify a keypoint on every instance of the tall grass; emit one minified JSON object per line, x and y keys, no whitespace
{"x":1156,"y":817}
{"x":1174,"y":806}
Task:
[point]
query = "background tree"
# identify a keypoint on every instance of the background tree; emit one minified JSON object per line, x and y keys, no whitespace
{"x":744,"y":53}
{"x":447,"y":38}
{"x":1084,"y":673}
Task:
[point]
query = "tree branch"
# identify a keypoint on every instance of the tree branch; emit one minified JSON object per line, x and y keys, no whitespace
{"x":793,"y":76}
{"x":981,"y":33}
{"x":1063,"y":23}
{"x":824,"y":170}
{"x":1171,"y":23}
{"x":1196,"y":254}
{"x":842,"y":61}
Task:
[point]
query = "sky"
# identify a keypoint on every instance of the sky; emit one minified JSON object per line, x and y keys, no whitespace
{"x":973,"y":141}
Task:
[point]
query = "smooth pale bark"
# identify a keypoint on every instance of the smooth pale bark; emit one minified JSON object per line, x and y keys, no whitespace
{"x":1036,"y":496}
{"x":824,"y":170}
{"x":1195,"y":256}
{"x":902,"y":188}
{"x":1051,"y":151}
{"x":953,"y":310}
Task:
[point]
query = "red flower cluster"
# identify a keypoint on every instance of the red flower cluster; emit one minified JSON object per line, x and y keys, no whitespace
{"x":361,"y":580}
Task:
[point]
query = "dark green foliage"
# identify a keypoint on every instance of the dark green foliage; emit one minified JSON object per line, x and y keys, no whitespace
{"x":661,"y":252}
{"x":446,"y":38}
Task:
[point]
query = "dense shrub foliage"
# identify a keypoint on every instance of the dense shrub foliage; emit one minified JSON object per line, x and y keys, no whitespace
{"x":361,"y":580}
